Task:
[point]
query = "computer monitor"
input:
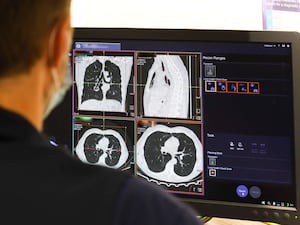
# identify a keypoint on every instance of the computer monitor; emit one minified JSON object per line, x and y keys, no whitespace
{"x":210,"y":116}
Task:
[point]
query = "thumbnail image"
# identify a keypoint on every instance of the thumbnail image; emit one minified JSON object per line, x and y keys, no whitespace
{"x":210,"y":70}
{"x":232,"y":86}
{"x":221,"y":86}
{"x":243,"y":87}
{"x":210,"y":86}
{"x":170,"y":154}
{"x":254,"y":87}
{"x":168,"y":85}
{"x":102,"y":82}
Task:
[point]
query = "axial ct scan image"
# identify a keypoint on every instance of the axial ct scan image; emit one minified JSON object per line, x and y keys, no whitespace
{"x":102,"y":82}
{"x":102,"y":147}
{"x":169,"y":154}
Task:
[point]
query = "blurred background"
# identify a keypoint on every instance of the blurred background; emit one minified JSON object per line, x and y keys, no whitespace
{"x":281,"y":15}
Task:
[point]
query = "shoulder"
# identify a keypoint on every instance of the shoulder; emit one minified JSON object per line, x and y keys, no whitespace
{"x":144,"y":203}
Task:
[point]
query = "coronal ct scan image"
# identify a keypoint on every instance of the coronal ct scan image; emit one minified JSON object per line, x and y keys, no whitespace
{"x":102,"y":82}
{"x":102,"y":147}
{"x":167,"y":81}
{"x":169,"y":154}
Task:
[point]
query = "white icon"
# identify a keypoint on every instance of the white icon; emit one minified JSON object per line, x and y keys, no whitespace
{"x":212,"y":172}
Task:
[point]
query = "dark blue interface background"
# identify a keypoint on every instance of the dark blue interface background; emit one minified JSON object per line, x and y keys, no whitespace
{"x":247,"y":117}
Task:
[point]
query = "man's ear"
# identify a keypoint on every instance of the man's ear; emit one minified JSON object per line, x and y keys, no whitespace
{"x":59,"y":42}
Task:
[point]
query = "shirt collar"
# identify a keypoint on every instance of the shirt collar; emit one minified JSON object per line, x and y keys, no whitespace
{"x":15,"y":128}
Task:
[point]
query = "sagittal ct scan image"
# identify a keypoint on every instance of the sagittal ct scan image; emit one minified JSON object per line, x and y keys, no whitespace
{"x":102,"y":147}
{"x":166,"y":92}
{"x":102,"y":82}
{"x":169,"y":154}
{"x":168,"y":85}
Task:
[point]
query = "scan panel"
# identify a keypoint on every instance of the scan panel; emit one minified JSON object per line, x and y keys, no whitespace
{"x":141,"y":112}
{"x":170,"y":154}
{"x":169,"y":85}
{"x":108,"y":144}
{"x":102,"y":80}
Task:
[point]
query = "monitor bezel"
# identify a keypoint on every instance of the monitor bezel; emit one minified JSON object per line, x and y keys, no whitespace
{"x":212,"y":207}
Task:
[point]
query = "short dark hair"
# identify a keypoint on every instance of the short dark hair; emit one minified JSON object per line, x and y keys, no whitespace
{"x":25,"y":26}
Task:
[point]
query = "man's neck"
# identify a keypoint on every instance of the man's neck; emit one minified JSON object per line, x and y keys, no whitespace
{"x":23,"y":94}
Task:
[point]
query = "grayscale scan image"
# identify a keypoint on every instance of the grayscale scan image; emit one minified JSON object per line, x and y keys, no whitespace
{"x":166,"y":92}
{"x":102,"y":82}
{"x":169,"y":154}
{"x":102,"y":147}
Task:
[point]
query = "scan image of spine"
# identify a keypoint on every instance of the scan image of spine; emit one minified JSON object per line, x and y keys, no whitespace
{"x":102,"y":147}
{"x":169,"y":154}
{"x":166,"y":91}
{"x":102,"y":82}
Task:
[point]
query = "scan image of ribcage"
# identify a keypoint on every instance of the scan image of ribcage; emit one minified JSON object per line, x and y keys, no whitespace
{"x":166,"y":91}
{"x":169,"y":154}
{"x":102,"y":147}
{"x":102,"y":82}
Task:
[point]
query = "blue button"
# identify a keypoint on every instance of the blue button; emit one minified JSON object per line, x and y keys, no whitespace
{"x":242,"y":191}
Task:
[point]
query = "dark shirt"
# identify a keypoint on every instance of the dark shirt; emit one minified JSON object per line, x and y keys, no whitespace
{"x":41,"y":184}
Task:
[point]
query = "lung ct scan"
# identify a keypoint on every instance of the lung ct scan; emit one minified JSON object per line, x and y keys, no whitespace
{"x":140,"y":112}
{"x":102,"y":147}
{"x":102,"y":82}
{"x":168,"y":84}
{"x":169,"y":155}
{"x":104,"y":142}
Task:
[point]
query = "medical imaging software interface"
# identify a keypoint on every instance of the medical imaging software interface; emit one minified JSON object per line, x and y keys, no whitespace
{"x":201,"y":119}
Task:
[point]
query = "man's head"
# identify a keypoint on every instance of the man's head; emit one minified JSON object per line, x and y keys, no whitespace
{"x":34,"y":44}
{"x":26,"y":26}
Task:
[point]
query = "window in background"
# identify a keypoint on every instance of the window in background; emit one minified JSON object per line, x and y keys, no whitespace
{"x":281,"y":15}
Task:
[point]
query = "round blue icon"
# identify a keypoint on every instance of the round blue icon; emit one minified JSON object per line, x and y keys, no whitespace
{"x":242,"y":191}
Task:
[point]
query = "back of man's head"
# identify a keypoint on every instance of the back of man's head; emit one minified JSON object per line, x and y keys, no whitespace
{"x":26,"y":25}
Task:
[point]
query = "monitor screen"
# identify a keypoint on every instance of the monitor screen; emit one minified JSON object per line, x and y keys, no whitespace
{"x":210,"y":116}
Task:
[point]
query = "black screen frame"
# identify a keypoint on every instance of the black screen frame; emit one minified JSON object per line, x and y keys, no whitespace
{"x":212,"y":207}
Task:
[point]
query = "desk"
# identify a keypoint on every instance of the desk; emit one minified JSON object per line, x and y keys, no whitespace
{"x":221,"y":221}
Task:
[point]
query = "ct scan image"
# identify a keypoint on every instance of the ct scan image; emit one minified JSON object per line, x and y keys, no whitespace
{"x":102,"y":147}
{"x":165,"y":84}
{"x":109,"y":145}
{"x":102,"y":82}
{"x":171,"y":155}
